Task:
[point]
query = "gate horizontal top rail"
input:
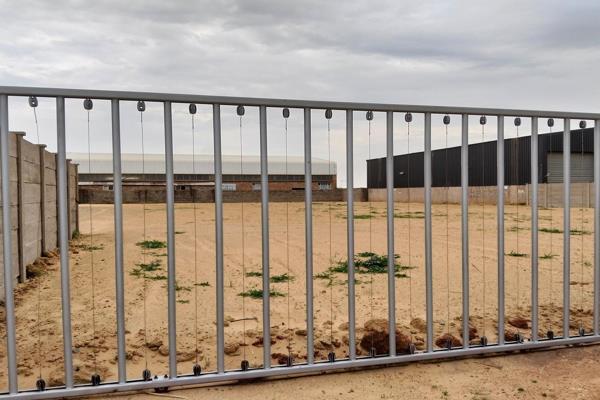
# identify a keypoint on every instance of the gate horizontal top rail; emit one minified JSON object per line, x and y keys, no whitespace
{"x":353,"y":359}
{"x":254,"y":101}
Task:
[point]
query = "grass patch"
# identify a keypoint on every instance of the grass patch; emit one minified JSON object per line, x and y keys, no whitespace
{"x":517,"y":229}
{"x":183,"y":301}
{"x":369,"y":263}
{"x":323,"y":275}
{"x":251,"y":274}
{"x":550,"y":230}
{"x":412,"y":214}
{"x":150,"y":267}
{"x":547,"y":256}
{"x":579,"y":232}
{"x":363,"y":216}
{"x":179,"y":232}
{"x":203,"y":284}
{"x":87,"y":247}
{"x":516,"y":254}
{"x":182,"y":288}
{"x":143,"y":269}
{"x":152,"y":244}
{"x":76,"y":234}
{"x":156,"y":277}
{"x":364,"y":263}
{"x":258,"y":293}
{"x":281,"y":278}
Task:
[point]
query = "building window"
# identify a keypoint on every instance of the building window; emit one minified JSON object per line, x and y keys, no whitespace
{"x":256,"y":187}
{"x":324,"y":186}
{"x":107,"y":187}
{"x":229,"y":187}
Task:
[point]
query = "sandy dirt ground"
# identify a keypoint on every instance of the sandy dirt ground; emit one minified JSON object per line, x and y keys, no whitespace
{"x":93,"y":289}
{"x":558,"y":374}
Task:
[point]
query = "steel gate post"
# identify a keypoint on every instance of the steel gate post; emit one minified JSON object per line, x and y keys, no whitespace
{"x":500,"y":218}
{"x":310,"y":356}
{"x":464,"y":202}
{"x":567,"y":226}
{"x":350,"y":228}
{"x":118,"y":215}
{"x":389,"y":171}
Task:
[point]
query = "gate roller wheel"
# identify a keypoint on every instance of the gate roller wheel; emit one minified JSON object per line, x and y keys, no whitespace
{"x":40,"y":384}
{"x":95,"y":380}
{"x":245,"y":366}
{"x":412,"y":349}
{"x":331,"y":357}
{"x":197,"y":370}
{"x":147,"y":375}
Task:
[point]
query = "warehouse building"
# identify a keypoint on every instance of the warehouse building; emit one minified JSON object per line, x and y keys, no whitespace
{"x":194,"y":178}
{"x":446,"y":165}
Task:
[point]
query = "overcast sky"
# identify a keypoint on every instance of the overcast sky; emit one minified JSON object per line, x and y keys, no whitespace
{"x":513,"y":54}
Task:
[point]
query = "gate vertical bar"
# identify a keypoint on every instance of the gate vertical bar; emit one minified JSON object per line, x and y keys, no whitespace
{"x":567,"y":226}
{"x":389,"y":176}
{"x":534,"y":229}
{"x":428,"y":263}
{"x":9,"y":301}
{"x":500,"y":218}
{"x":597,"y":227}
{"x":464,"y":202}
{"x":63,"y":228}
{"x":350,"y":228}
{"x":264,"y":202}
{"x":219,"y":238}
{"x":171,"y":275}
{"x":118,"y":211}
{"x":310,"y":356}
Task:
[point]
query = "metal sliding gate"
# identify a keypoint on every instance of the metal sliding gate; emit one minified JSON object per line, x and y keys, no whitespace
{"x":429,"y":352}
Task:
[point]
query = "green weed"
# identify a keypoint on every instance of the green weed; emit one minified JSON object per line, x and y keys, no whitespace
{"x":516,"y":254}
{"x":258,"y":293}
{"x":282,"y":278}
{"x":152,"y":244}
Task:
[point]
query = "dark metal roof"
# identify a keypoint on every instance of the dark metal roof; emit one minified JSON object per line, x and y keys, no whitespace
{"x":446,"y":163}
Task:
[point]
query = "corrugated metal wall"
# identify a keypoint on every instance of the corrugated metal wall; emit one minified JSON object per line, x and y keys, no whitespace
{"x":482,"y":162}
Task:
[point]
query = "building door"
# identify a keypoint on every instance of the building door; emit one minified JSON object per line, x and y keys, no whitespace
{"x":582,"y":167}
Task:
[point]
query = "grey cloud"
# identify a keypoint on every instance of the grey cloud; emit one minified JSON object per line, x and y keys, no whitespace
{"x":533,"y":54}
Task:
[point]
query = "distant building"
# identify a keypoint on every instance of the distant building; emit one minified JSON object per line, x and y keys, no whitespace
{"x":196,"y":180}
{"x":446,"y":166}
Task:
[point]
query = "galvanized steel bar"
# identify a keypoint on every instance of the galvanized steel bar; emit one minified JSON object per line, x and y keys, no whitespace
{"x":500,"y":218}
{"x":597,"y":227}
{"x":171,"y":274}
{"x":567,"y":226}
{"x":63,"y":229}
{"x":264,"y":202}
{"x":464,"y":202}
{"x":219,"y":238}
{"x":534,"y":229}
{"x":350,"y":229}
{"x":310,"y":349}
{"x":9,"y":302}
{"x":118,"y":215}
{"x":428,"y":244}
{"x":389,"y":171}
{"x":290,"y":103}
